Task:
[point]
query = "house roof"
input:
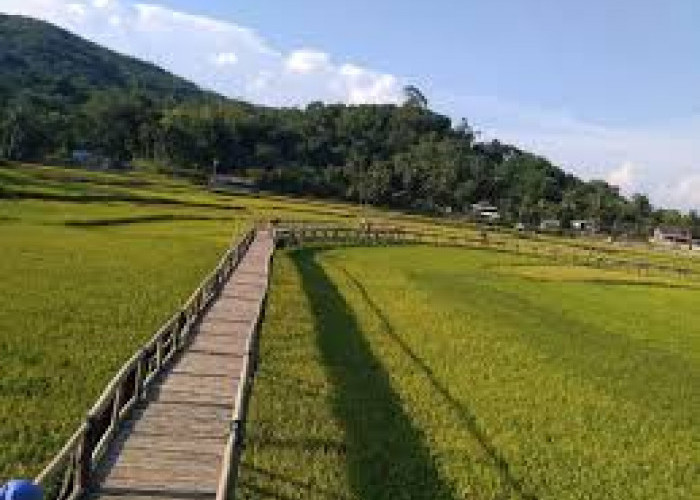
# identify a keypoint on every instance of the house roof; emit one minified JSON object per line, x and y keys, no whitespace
{"x":232,"y":179}
{"x":484,"y":205}
{"x":674,"y":231}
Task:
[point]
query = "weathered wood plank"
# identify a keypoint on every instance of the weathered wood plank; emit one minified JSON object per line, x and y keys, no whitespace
{"x":149,"y":441}
{"x":194,"y":412}
{"x":170,"y":458}
{"x":163,"y":478}
{"x":134,"y":494}
{"x":191,"y":427}
{"x":192,"y":397}
{"x":235,"y":307}
{"x":220,"y":343}
{"x":174,"y":445}
{"x":205,"y":364}
{"x":214,"y":386}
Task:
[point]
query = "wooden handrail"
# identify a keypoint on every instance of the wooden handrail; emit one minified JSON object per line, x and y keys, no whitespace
{"x":114,"y":384}
{"x":234,"y":446}
{"x":68,"y":474}
{"x":396,"y":234}
{"x":62,"y":456}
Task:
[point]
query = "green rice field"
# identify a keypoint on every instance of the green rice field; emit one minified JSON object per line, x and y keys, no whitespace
{"x":386,"y":372}
{"x":91,"y":264}
{"x":431,"y":373}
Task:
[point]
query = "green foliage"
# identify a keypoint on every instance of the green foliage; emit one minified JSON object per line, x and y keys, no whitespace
{"x":496,"y":376}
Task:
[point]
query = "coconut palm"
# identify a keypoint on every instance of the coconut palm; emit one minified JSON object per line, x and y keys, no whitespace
{"x":414,"y":97}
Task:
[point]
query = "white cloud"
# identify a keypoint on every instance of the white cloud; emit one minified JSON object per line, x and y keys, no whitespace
{"x":660,"y":159}
{"x":367,"y":86}
{"x":686,"y":190}
{"x":225,"y":59}
{"x":624,"y":177}
{"x":307,"y":61}
{"x":78,"y":10}
{"x":218,"y":55}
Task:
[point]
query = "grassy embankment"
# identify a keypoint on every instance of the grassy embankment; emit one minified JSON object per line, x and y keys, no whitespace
{"x":448,"y":373}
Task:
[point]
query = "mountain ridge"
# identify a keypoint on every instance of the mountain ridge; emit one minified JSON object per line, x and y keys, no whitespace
{"x":37,"y":55}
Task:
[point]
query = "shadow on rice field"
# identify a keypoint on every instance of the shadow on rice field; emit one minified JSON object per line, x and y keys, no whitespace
{"x":465,"y":414}
{"x":386,"y":454}
{"x":416,"y":372}
{"x":141,"y":219}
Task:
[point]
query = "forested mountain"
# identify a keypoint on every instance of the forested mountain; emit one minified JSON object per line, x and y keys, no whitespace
{"x":50,"y":62}
{"x":60,"y":93}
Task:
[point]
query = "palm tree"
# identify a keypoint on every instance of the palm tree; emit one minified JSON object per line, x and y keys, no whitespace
{"x":414,"y":97}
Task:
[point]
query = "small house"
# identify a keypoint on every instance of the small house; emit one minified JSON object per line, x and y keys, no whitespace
{"x":584,"y":225}
{"x":232,"y":183}
{"x":550,"y":225}
{"x":89,"y":159}
{"x":672,"y":235}
{"x":485,"y":211}
{"x":96,"y":161}
{"x":81,"y":156}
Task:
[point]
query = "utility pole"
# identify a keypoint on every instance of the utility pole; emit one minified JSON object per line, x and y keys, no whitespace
{"x":214,"y":167}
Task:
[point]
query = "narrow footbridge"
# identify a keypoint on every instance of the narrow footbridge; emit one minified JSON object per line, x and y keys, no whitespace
{"x":169,"y":425}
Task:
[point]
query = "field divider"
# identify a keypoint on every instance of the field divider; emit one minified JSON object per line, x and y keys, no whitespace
{"x":301,"y":233}
{"x":68,"y":474}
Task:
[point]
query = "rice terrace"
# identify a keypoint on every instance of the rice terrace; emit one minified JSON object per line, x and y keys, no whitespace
{"x":354,"y":298}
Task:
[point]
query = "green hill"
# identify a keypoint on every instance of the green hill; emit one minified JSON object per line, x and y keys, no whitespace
{"x":46,"y":60}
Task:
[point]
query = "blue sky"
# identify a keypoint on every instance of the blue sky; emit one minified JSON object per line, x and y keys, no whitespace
{"x":620,"y":61}
{"x":607,"y":89}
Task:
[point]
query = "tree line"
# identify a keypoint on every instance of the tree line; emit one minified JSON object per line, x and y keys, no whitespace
{"x":400,"y":156}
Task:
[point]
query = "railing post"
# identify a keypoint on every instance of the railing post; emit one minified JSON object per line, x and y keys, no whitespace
{"x":114,"y":421}
{"x":179,"y":328}
{"x":138,"y":378}
{"x":84,"y":458}
{"x":175,"y":335}
{"x":159,"y":352}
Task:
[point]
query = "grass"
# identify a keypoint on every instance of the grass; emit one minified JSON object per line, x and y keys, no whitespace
{"x":445,"y":373}
{"x":77,"y":302}
{"x":92,"y":263}
{"x":387,"y":373}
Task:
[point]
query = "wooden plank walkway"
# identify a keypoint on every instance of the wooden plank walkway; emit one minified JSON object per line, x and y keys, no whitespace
{"x":173,"y":447}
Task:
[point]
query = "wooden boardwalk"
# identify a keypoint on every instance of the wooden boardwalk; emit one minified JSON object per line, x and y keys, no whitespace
{"x":175,"y":444}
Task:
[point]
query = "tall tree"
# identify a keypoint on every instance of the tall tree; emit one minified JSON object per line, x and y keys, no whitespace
{"x":414,"y":97}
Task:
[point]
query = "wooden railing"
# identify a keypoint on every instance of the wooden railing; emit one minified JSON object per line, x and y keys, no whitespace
{"x":375,"y":234}
{"x":68,"y":475}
